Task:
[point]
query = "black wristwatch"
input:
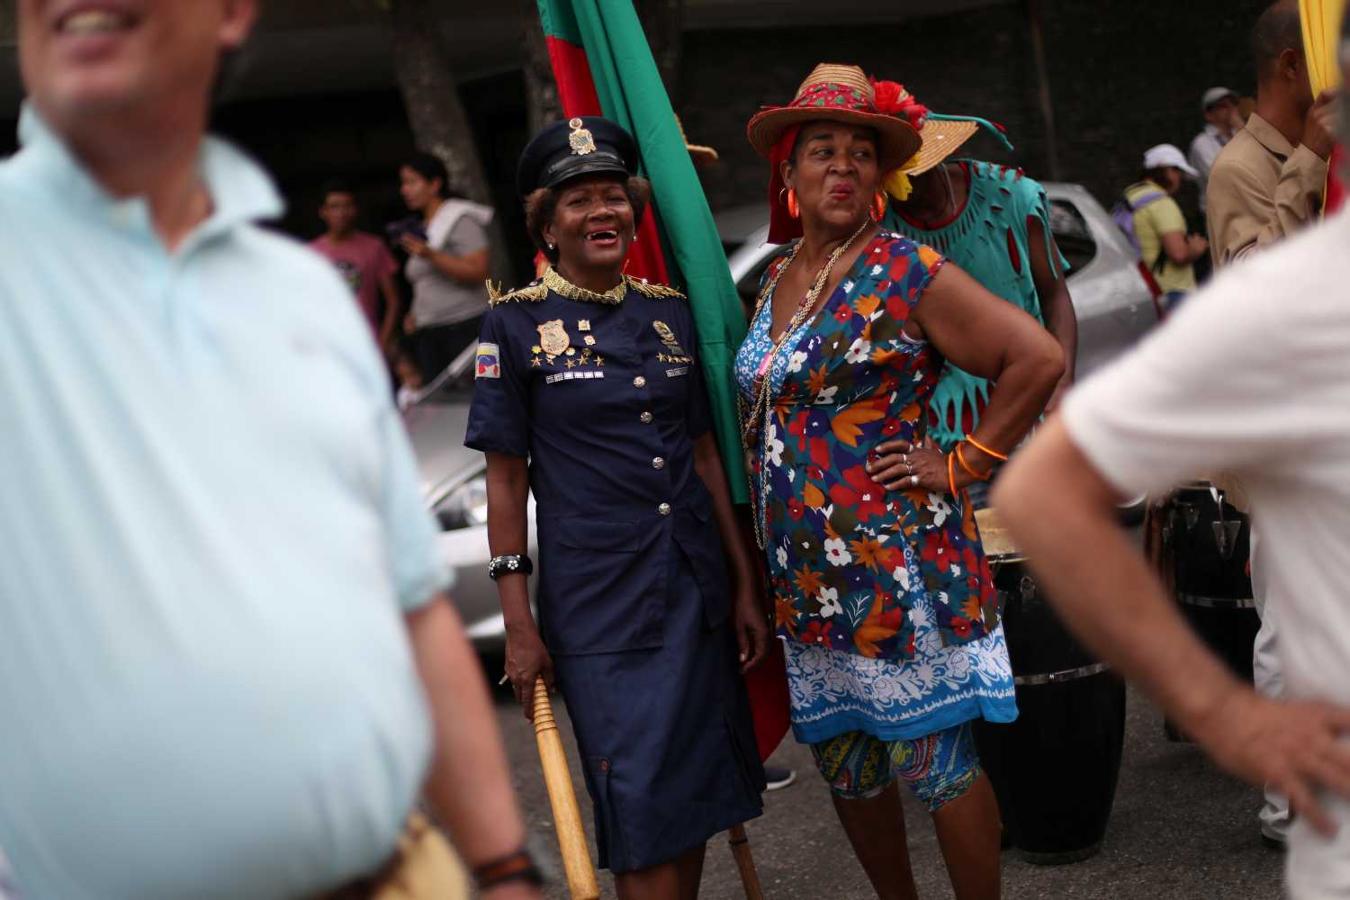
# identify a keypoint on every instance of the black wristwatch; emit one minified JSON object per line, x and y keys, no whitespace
{"x":509,"y":565}
{"x":519,"y":866}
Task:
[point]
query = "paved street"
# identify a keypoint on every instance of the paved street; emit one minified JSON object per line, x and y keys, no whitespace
{"x":1180,"y":829}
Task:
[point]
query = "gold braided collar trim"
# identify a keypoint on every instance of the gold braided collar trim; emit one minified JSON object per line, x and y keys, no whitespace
{"x":564,"y":288}
{"x":552,"y":281}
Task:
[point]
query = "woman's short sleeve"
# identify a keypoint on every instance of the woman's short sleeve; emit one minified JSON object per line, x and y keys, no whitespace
{"x":920,"y":263}
{"x":464,"y":237}
{"x":499,"y":418}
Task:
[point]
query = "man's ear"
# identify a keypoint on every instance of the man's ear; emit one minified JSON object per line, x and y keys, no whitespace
{"x":1291,"y":64}
{"x":237,"y":23}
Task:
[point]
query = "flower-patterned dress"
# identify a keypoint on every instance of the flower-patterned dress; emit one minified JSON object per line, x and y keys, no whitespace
{"x":884,"y":599}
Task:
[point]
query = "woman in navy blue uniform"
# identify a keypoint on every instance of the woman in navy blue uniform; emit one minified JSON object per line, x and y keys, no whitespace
{"x":588,"y":392}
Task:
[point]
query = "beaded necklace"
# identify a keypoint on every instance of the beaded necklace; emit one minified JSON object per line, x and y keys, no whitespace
{"x":756,"y":417}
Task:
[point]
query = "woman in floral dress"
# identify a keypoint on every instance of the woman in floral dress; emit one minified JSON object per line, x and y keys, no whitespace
{"x":881,"y":590}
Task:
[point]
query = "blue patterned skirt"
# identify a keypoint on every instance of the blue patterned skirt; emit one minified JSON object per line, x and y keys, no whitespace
{"x":833,"y":692}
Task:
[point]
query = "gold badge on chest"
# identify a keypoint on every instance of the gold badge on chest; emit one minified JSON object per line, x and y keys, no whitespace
{"x":553,"y":338}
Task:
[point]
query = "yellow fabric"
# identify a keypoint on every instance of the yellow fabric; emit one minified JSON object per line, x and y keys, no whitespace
{"x":1321,"y":21}
{"x":1321,"y":28}
{"x":1150,"y":224}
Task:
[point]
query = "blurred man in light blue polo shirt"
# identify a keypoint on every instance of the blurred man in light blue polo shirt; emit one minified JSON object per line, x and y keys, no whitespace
{"x":227,"y":668}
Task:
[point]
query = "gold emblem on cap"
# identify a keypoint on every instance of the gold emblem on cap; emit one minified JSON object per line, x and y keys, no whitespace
{"x":582,"y":141}
{"x":553,"y":338}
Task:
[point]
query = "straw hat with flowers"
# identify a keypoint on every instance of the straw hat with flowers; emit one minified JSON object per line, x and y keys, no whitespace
{"x":837,"y":93}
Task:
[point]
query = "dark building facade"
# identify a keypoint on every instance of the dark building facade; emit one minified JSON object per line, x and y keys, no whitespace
{"x":1122,"y":76}
{"x":318,"y":98}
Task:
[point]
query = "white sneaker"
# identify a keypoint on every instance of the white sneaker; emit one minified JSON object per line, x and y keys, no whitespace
{"x":778,"y":778}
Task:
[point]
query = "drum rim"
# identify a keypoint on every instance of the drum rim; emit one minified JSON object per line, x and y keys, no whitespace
{"x":1200,"y":601}
{"x":1036,"y":679}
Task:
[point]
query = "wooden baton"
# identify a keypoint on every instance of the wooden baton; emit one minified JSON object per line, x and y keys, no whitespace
{"x":745,"y":862}
{"x":576,"y":856}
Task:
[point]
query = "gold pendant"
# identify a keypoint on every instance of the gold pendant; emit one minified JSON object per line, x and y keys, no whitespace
{"x":553,"y":338}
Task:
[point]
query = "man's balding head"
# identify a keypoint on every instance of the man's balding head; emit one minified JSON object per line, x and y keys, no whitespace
{"x":1277,"y":31}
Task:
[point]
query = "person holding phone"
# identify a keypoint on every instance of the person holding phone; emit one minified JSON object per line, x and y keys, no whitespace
{"x":447,"y":247}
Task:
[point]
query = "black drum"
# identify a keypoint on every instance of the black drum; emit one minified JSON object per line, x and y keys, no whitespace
{"x":1054,"y":770}
{"x":1204,"y":547}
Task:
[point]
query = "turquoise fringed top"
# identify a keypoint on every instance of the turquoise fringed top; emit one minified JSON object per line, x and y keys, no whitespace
{"x":990,"y":239}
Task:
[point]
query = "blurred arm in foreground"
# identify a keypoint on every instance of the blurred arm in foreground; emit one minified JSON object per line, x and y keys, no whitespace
{"x":1182,"y":404}
{"x":475,"y":802}
{"x":1114,"y":601}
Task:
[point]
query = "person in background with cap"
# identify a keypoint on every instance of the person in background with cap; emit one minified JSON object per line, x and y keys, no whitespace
{"x":1160,"y":226}
{"x":588,"y":393}
{"x":993,"y":222}
{"x":1268,"y":182}
{"x":1222,"y":120}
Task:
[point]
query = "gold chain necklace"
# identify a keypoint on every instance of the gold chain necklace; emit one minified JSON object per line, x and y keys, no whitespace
{"x":761,"y":408}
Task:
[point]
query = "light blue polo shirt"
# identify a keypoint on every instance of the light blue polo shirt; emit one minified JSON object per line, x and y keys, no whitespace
{"x":210,"y":522}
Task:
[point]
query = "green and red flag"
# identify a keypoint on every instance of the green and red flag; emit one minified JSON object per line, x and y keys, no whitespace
{"x":604,"y":66}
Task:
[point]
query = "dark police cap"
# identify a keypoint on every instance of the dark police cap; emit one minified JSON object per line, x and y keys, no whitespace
{"x":588,"y":145}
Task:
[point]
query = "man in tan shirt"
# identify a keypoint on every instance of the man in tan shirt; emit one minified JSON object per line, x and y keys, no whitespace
{"x":1266,"y":184}
{"x":1268,"y":181}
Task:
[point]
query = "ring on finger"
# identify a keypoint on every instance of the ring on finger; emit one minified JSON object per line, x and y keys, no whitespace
{"x":914,"y":480}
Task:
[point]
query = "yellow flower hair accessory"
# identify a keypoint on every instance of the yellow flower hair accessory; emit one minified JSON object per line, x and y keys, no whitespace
{"x":897,"y":183}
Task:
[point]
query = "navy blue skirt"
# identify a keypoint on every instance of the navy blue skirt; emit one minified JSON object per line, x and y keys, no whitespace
{"x":665,"y":736}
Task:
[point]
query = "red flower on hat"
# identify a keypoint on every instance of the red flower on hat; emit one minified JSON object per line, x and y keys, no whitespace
{"x":893,"y":100}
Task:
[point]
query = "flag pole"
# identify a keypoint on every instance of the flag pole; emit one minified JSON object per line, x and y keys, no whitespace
{"x":745,"y":862}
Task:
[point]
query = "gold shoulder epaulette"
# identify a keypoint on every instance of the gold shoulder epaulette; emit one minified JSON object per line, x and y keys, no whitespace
{"x":659,"y":291}
{"x":531,"y":293}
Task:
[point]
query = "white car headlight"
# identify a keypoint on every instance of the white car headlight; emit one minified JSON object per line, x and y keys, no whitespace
{"x":465,"y":506}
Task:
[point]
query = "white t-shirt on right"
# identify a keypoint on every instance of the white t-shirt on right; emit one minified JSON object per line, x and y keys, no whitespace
{"x":1252,"y":377}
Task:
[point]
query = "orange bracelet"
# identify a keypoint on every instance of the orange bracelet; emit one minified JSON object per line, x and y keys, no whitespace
{"x":1001,"y":457}
{"x":961,"y":458}
{"x":951,"y":472}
